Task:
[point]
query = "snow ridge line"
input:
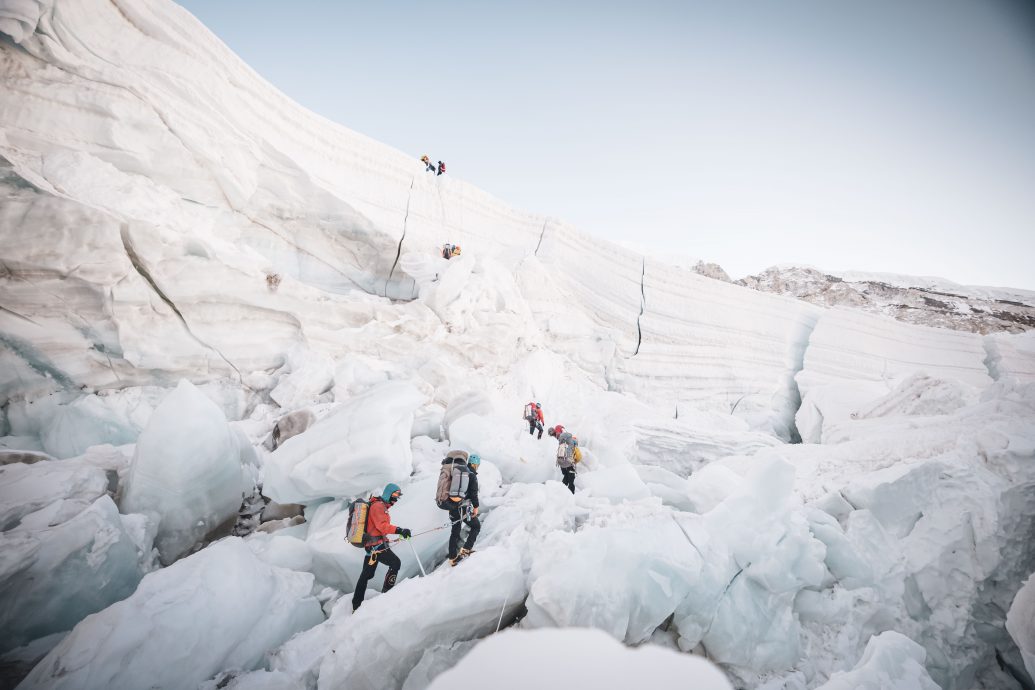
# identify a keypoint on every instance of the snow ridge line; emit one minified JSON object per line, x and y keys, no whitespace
{"x":398,"y":250}
{"x":140,"y":268}
{"x":541,"y":233}
{"x":643,"y":306}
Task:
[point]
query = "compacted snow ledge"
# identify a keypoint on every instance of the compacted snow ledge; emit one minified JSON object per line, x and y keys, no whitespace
{"x":576,"y":658}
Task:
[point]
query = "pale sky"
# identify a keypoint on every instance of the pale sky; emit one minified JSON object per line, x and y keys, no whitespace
{"x":886,"y":135}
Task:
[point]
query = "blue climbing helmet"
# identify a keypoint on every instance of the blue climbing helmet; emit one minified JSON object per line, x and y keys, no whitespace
{"x":473,"y":461}
{"x":391,"y":493}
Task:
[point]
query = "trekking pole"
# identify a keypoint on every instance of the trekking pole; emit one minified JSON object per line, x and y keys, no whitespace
{"x":505,"y":600}
{"x":422,"y":572}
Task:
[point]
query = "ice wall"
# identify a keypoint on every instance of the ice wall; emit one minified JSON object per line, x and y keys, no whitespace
{"x":197,"y":182}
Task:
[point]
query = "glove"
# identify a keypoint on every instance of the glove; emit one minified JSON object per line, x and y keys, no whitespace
{"x":403,"y":532}
{"x":474,"y":511}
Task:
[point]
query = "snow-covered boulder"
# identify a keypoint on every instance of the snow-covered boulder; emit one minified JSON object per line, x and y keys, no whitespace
{"x":290,"y":425}
{"x":186,"y":471}
{"x":891,"y":661}
{"x":360,"y":445}
{"x":62,"y":563}
{"x":522,"y":659}
{"x":221,"y":608}
{"x":1020,"y":623}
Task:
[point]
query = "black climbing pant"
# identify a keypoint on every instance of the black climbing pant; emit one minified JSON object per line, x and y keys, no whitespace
{"x":569,"y":477}
{"x":534,"y":424}
{"x":455,"y":515}
{"x":369,"y":566}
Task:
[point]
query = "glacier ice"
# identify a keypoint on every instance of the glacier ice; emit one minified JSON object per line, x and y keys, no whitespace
{"x":361,"y":444}
{"x":1020,"y":622}
{"x":652,"y":554}
{"x":145,"y":208}
{"x":25,"y":489}
{"x":186,"y":471}
{"x":62,"y":563}
{"x":380,"y":644}
{"x":891,"y":662}
{"x":220,"y":608}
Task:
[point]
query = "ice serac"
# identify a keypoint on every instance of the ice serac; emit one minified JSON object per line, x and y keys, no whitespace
{"x":220,"y":608}
{"x":755,"y":553}
{"x":357,"y":447}
{"x":891,"y":662}
{"x":1011,"y":355}
{"x":186,"y":471}
{"x":1020,"y":623}
{"x":521,"y":659}
{"x":62,"y":563}
{"x":853,"y":358}
{"x":655,"y":556}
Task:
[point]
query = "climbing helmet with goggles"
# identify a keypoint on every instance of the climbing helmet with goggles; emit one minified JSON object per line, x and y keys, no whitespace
{"x":391,"y":493}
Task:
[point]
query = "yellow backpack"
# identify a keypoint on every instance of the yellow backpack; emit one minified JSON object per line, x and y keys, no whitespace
{"x":577,"y":455}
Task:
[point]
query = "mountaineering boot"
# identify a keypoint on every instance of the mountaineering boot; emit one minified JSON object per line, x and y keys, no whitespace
{"x":464,"y":553}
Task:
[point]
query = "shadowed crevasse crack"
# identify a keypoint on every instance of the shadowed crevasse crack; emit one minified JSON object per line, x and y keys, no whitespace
{"x":134,"y":259}
{"x":398,"y":250}
{"x":541,"y":233}
{"x":643,"y":307}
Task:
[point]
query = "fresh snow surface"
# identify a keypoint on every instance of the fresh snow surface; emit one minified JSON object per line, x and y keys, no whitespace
{"x":166,"y":214}
{"x":520,"y":659}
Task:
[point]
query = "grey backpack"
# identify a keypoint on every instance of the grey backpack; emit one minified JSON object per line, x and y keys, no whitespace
{"x":452,"y":480}
{"x":564,"y":452}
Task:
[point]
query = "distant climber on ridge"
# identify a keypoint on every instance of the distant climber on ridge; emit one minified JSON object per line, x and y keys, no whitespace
{"x":428,"y":167}
{"x":378,"y":527}
{"x":534,"y":417}
{"x":441,"y":168}
{"x":457,"y":492}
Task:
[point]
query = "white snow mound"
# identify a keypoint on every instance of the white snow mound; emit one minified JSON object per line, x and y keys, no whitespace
{"x":576,"y":658}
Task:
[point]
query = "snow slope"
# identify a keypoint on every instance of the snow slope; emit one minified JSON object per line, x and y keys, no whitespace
{"x":166,"y":214}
